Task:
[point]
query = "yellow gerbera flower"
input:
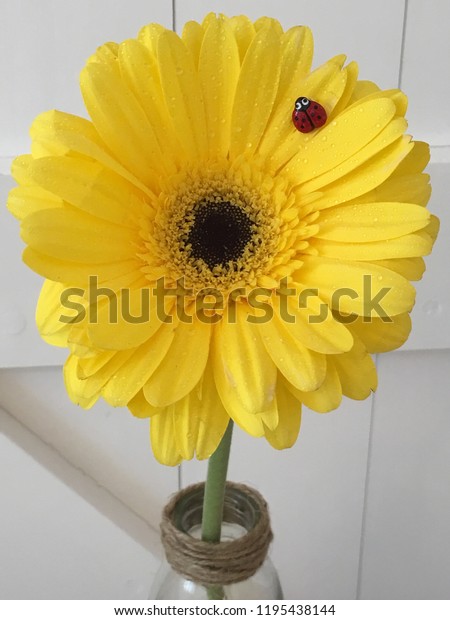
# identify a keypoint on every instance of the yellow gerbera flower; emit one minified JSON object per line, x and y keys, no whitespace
{"x":203,"y":258}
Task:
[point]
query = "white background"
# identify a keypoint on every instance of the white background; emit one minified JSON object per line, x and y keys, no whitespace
{"x":361,"y":504}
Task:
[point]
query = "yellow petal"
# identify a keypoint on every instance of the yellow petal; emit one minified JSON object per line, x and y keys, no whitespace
{"x":310,"y":321}
{"x":409,"y":268}
{"x":210,"y":18}
{"x":24,"y":200}
{"x":268,"y":22}
{"x":326,"y":84}
{"x":199,"y":420}
{"x":433,"y":228}
{"x":412,"y":188}
{"x":79,"y":344}
{"x":78,"y":273}
{"x":297,"y":48}
{"x":122,"y":278}
{"x":183,"y":95}
{"x":185,"y":426}
{"x":183,"y":365}
{"x":244,"y":32}
{"x":365,"y":178}
{"x":283,"y":142}
{"x":213,"y":418}
{"x":89,"y":366}
{"x":416,"y":161}
{"x":140,"y":71}
{"x":270,"y":417}
{"x":379,"y":336}
{"x":48,"y":314}
{"x":304,"y":368}
{"x":328,"y":396}
{"x":351,"y":72}
{"x":296,"y":57}
{"x":141,"y":408}
{"x":397,"y":97}
{"x":20,"y":169}
{"x":256,"y":91}
{"x":192,"y":37}
{"x":162,"y":435}
{"x":122,"y":320}
{"x":75,"y":387}
{"x":371,"y":222}
{"x":219,"y":72}
{"x":360,"y":288}
{"x":392,"y":132}
{"x":124,"y":384}
{"x":248,"y":422}
{"x":363,"y":88}
{"x":90,"y":187}
{"x":149,"y":36}
{"x":415,"y":244}
{"x":341,"y":139}
{"x":57,"y":133}
{"x":105,"y":53}
{"x":104,"y":367}
{"x":244,"y":373}
{"x":121,"y":121}
{"x":357,"y":372}
{"x":290,"y":415}
{"x":329,"y":94}
{"x":69,"y":234}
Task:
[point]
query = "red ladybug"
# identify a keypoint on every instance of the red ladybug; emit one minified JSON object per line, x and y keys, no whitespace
{"x":308,"y":115}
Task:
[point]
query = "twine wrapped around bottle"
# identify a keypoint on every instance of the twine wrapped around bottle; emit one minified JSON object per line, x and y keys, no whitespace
{"x":224,"y":563}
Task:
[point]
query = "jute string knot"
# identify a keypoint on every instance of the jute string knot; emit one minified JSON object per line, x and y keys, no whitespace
{"x":229,"y":561}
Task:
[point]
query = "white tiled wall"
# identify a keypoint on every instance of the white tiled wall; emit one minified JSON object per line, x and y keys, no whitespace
{"x":360,"y":506}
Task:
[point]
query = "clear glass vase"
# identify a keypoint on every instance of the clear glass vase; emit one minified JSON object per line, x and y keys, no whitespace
{"x":240,"y":517}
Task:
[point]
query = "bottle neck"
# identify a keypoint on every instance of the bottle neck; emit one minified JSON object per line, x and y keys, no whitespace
{"x":246,"y":524}
{"x":240,"y":510}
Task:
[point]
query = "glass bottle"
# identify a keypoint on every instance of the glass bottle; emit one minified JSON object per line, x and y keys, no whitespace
{"x":240,"y":516}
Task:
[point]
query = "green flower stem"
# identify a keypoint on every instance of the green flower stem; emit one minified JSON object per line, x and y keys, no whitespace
{"x":214,"y":498}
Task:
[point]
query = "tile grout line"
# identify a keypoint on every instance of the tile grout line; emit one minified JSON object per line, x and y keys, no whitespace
{"x":366,"y":493}
{"x":403,"y":44}
{"x":174,"y":16}
{"x":180,"y":477}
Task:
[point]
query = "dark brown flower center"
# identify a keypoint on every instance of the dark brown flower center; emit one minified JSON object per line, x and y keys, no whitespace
{"x":220,"y":233}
